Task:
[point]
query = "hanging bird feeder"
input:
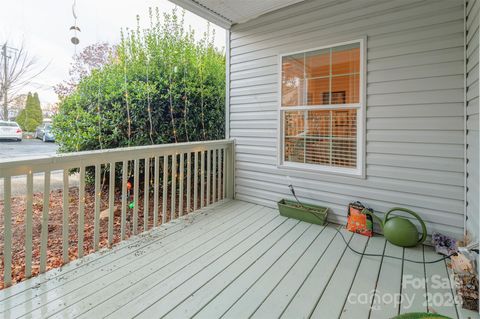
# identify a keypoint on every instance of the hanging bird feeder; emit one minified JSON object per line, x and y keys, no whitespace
{"x":74,"y":39}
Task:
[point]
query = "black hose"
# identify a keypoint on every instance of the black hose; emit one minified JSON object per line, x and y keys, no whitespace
{"x":292,"y":190}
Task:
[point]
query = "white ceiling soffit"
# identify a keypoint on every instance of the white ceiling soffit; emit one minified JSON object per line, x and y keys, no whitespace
{"x":227,"y":12}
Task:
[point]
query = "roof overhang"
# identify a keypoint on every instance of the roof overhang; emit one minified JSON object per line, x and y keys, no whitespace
{"x":225,"y":13}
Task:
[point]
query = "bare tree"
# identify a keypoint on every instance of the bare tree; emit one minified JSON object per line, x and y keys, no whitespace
{"x":92,"y":57}
{"x":18,"y":69}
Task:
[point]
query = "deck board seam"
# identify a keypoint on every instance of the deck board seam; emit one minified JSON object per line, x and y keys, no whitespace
{"x":446,"y":306}
{"x":133,"y":251}
{"x":354,"y":276}
{"x":288,"y":271}
{"x":161,"y":256}
{"x":425,"y":278}
{"x":265,"y":224}
{"x":75,"y":265}
{"x":283,"y":253}
{"x":329,"y":278}
{"x":451,"y":288}
{"x":378,"y":279}
{"x":243,"y":271}
{"x":422,"y":276}
{"x":401,"y":283}
{"x":211,"y":239}
{"x":254,"y":245}
{"x":253,"y":207}
{"x":236,"y":255}
{"x":308,"y":275}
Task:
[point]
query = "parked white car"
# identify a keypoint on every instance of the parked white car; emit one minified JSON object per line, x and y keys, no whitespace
{"x":10,"y":130}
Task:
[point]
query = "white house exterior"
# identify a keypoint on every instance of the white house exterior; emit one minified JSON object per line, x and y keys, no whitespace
{"x":418,"y":122}
{"x":472,"y":111}
{"x":348,"y":100}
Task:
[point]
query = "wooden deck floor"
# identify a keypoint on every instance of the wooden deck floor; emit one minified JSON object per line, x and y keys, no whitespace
{"x":237,"y":260}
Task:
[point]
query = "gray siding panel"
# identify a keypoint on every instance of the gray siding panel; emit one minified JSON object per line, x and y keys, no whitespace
{"x":415,"y":106}
{"x":473,"y":140}
{"x":414,"y":136}
{"x":416,"y":59}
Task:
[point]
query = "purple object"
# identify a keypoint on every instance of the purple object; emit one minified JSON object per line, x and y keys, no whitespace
{"x":444,"y":244}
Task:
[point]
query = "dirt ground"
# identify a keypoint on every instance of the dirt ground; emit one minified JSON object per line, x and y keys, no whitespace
{"x":54,"y":246}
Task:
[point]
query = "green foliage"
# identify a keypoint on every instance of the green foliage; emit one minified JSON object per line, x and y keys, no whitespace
{"x":31,"y":116}
{"x":161,"y":86}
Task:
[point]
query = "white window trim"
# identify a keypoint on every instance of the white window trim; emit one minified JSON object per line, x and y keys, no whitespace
{"x":359,"y":171}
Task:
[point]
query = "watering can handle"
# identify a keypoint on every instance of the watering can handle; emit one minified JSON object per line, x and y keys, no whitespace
{"x":378,"y":219}
{"x":424,"y":228}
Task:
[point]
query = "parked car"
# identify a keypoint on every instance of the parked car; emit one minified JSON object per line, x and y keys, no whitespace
{"x":10,"y":130}
{"x":44,"y":132}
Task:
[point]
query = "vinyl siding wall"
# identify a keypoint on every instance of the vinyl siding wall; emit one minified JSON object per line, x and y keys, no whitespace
{"x":415,"y":106}
{"x":473,"y":193}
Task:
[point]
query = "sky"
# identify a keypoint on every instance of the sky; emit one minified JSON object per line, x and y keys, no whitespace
{"x":43,"y":27}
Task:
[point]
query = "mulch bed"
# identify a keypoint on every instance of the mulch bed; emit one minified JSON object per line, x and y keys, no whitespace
{"x":54,"y":246}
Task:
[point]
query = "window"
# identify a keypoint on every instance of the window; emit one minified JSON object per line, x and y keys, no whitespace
{"x":322,"y":109}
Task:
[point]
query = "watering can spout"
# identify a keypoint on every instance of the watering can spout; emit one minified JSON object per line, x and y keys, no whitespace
{"x":400,"y":231}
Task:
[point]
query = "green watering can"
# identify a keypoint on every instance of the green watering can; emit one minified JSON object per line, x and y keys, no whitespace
{"x":400,"y":231}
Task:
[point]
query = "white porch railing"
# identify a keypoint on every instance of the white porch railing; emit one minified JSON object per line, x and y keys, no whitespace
{"x":206,"y":168}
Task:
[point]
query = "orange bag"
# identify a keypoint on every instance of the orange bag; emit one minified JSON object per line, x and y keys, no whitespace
{"x":359,"y":222}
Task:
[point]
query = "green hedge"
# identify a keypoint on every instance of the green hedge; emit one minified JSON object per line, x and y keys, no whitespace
{"x":161,"y":86}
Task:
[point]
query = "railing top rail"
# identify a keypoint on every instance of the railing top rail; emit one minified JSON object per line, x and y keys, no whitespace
{"x":89,"y":158}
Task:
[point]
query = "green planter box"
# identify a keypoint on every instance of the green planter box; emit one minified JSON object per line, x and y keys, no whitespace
{"x":315,"y":214}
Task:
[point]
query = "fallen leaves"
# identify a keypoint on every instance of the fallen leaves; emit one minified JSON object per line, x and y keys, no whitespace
{"x":54,"y":252}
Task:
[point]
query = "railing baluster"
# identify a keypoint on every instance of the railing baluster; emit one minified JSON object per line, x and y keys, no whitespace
{"x":123,"y":219}
{"x":136,"y":182}
{"x":180,"y":181}
{"x":98,"y":198}
{"x":202,"y":180}
{"x":209,"y":161}
{"x":111,"y":203}
{"x":195,"y":182}
{"x":165,"y":189}
{"x":155,"y":191}
{"x":230,"y":171}
{"x":81,"y":213}
{"x":44,"y":231}
{"x":219,"y":174}
{"x":189,"y":179}
{"x":65,"y":217}
{"x":174,"y":186}
{"x":214,"y":176}
{"x":224,"y":177}
{"x":215,"y":184}
{"x":146,"y":193}
{"x":28,"y":226}
{"x":7,"y":221}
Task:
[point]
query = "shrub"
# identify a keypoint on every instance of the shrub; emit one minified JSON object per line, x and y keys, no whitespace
{"x":160,"y":86}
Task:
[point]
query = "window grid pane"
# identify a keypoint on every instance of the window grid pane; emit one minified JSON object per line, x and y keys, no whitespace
{"x":293,"y":80}
{"x":322,"y":77}
{"x":328,"y":76}
{"x":323,"y":137}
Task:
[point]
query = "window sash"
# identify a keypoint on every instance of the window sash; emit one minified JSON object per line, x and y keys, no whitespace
{"x":300,"y":76}
{"x":360,"y":116}
{"x":321,"y":107}
{"x":332,"y":153}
